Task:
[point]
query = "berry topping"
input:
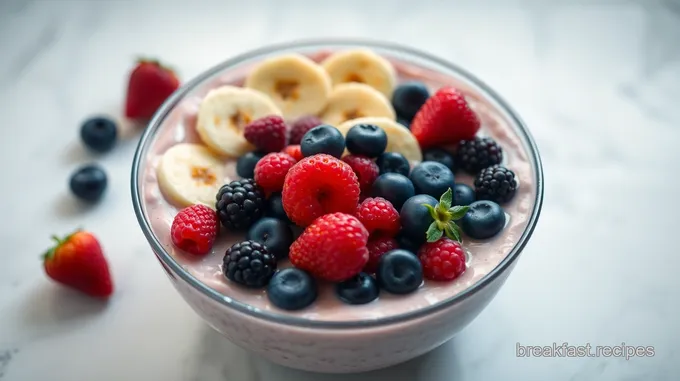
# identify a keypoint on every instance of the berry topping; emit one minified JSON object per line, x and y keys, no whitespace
{"x":415,"y":218}
{"x":407,"y":243}
{"x":294,"y":151}
{"x":245,"y":165}
{"x":367,"y":140}
{"x":99,"y":134}
{"x":408,"y":98}
{"x":292,"y":289}
{"x":300,"y":127}
{"x":88,"y":183}
{"x":376,"y":248}
{"x":399,"y":272}
{"x":271,"y":170}
{"x":445,"y":118}
{"x":433,"y":178}
{"x":440,"y":156}
{"x":404,"y":122}
{"x":393,"y":187}
{"x":365,"y":169}
{"x":275,"y":207}
{"x":332,"y":248}
{"x":463,"y":195}
{"x":477,"y":154}
{"x":150,"y":84}
{"x":249,"y":263}
{"x":496,"y":183}
{"x":442,"y":260}
{"x":268,"y":134}
{"x":393,"y":162}
{"x":484,"y":220}
{"x":323,"y":139}
{"x":359,"y":289}
{"x":239,"y":204}
{"x":444,"y":217}
{"x":379,"y":217}
{"x":319,"y":185}
{"x":194,"y":229}
{"x":274,"y":234}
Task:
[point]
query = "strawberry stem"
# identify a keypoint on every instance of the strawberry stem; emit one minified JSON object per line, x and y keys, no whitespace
{"x":59,"y":241}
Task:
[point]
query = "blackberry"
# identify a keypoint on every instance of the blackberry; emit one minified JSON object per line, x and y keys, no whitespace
{"x":495,"y":183}
{"x":477,"y":154}
{"x":249,"y":263}
{"x":239,"y":204}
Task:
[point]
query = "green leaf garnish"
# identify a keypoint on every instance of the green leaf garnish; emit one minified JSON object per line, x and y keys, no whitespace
{"x":453,"y":231}
{"x":444,"y":216}
{"x":430,"y":209}
{"x":433,"y":233}
{"x":458,"y":212}
{"x":446,"y":199}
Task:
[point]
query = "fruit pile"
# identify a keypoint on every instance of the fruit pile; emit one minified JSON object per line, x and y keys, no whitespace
{"x":363,"y":165}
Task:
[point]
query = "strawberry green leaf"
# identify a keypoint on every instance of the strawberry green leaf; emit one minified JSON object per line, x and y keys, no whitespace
{"x":433,"y":233}
{"x":446,"y":200}
{"x":458,"y":212}
{"x":453,"y":231}
{"x":430,"y":209}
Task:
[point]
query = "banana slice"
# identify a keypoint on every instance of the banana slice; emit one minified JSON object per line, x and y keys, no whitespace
{"x":355,"y":100}
{"x":399,"y":138}
{"x":190,"y":174}
{"x":364,"y":66}
{"x":298,"y":85}
{"x":225,"y":111}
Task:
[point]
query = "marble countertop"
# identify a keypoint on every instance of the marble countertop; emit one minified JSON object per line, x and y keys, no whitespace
{"x":597,"y":82}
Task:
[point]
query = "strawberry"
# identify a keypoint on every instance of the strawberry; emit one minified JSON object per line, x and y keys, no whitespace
{"x":77,"y":261}
{"x":149,"y":86}
{"x":445,"y":118}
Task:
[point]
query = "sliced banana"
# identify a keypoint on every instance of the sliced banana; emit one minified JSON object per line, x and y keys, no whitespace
{"x":298,"y":85}
{"x":364,"y":66}
{"x":355,"y":100}
{"x":190,"y":174}
{"x":225,"y":111}
{"x":399,"y":138}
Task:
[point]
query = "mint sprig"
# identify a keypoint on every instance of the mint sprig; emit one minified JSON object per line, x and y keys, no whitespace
{"x":445,"y":216}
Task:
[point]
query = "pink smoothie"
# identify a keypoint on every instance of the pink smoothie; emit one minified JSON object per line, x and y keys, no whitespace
{"x":482,"y":256}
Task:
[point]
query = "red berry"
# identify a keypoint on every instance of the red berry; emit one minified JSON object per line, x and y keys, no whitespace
{"x":294,"y":151}
{"x":150,"y":84}
{"x":271,"y":170}
{"x":376,"y":248}
{"x":194,"y":229}
{"x":379,"y":217}
{"x":445,"y":118}
{"x":332,"y":248}
{"x":442,"y":260}
{"x":366,"y":170}
{"x":268,"y":134}
{"x":318,"y":185}
{"x":300,"y":127}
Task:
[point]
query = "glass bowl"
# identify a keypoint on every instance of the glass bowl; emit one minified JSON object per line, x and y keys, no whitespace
{"x":336,"y":345}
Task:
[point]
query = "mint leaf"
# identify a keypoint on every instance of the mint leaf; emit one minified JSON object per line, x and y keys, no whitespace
{"x":430,"y":209}
{"x":453,"y":231}
{"x":446,"y":199}
{"x":433,"y":233}
{"x":458,"y":212}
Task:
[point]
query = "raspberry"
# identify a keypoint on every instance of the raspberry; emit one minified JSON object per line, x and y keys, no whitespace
{"x":376,"y":248}
{"x":442,"y":260}
{"x":379,"y":217}
{"x":319,"y":185}
{"x":366,"y":170}
{"x":332,"y":248}
{"x":477,"y":154}
{"x":268,"y":134}
{"x":300,"y":127}
{"x":271,"y":170}
{"x":249,"y":263}
{"x":496,"y":183}
{"x":294,"y":151}
{"x":239,"y":204}
{"x":194,"y":229}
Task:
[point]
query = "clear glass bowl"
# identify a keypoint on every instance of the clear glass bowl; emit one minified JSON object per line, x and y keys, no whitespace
{"x":336,"y":346}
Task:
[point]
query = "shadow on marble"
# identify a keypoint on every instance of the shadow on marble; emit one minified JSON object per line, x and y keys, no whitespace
{"x":67,"y":206}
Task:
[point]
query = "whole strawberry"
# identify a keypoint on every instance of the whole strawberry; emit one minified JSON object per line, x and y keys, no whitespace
{"x":150,"y":84}
{"x":268,"y":134}
{"x":445,"y":118}
{"x":77,"y":261}
{"x":332,"y":248}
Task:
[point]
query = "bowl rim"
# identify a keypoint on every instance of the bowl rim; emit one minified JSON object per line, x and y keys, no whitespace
{"x":280,"y":318}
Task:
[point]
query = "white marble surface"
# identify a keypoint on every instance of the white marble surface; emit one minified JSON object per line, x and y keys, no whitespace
{"x":597,"y":82}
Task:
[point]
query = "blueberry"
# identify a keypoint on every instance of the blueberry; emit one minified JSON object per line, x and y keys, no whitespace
{"x":433,"y":178}
{"x":399,"y":272}
{"x":463,"y":195}
{"x":323,"y":139}
{"x":89,"y":183}
{"x":359,"y":289}
{"x":404,"y":122}
{"x":483,"y":220}
{"x":292,"y":289}
{"x":275,"y":207}
{"x":408,"y":243}
{"x":408,"y":98}
{"x":99,"y":133}
{"x":415,"y":218}
{"x":393,"y":187}
{"x":245,"y":165}
{"x":393,"y":162}
{"x":274,"y":234}
{"x":440,"y":156}
{"x":367,"y":140}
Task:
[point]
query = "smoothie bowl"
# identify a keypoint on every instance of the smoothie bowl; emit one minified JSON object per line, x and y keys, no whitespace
{"x":337,"y":206}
